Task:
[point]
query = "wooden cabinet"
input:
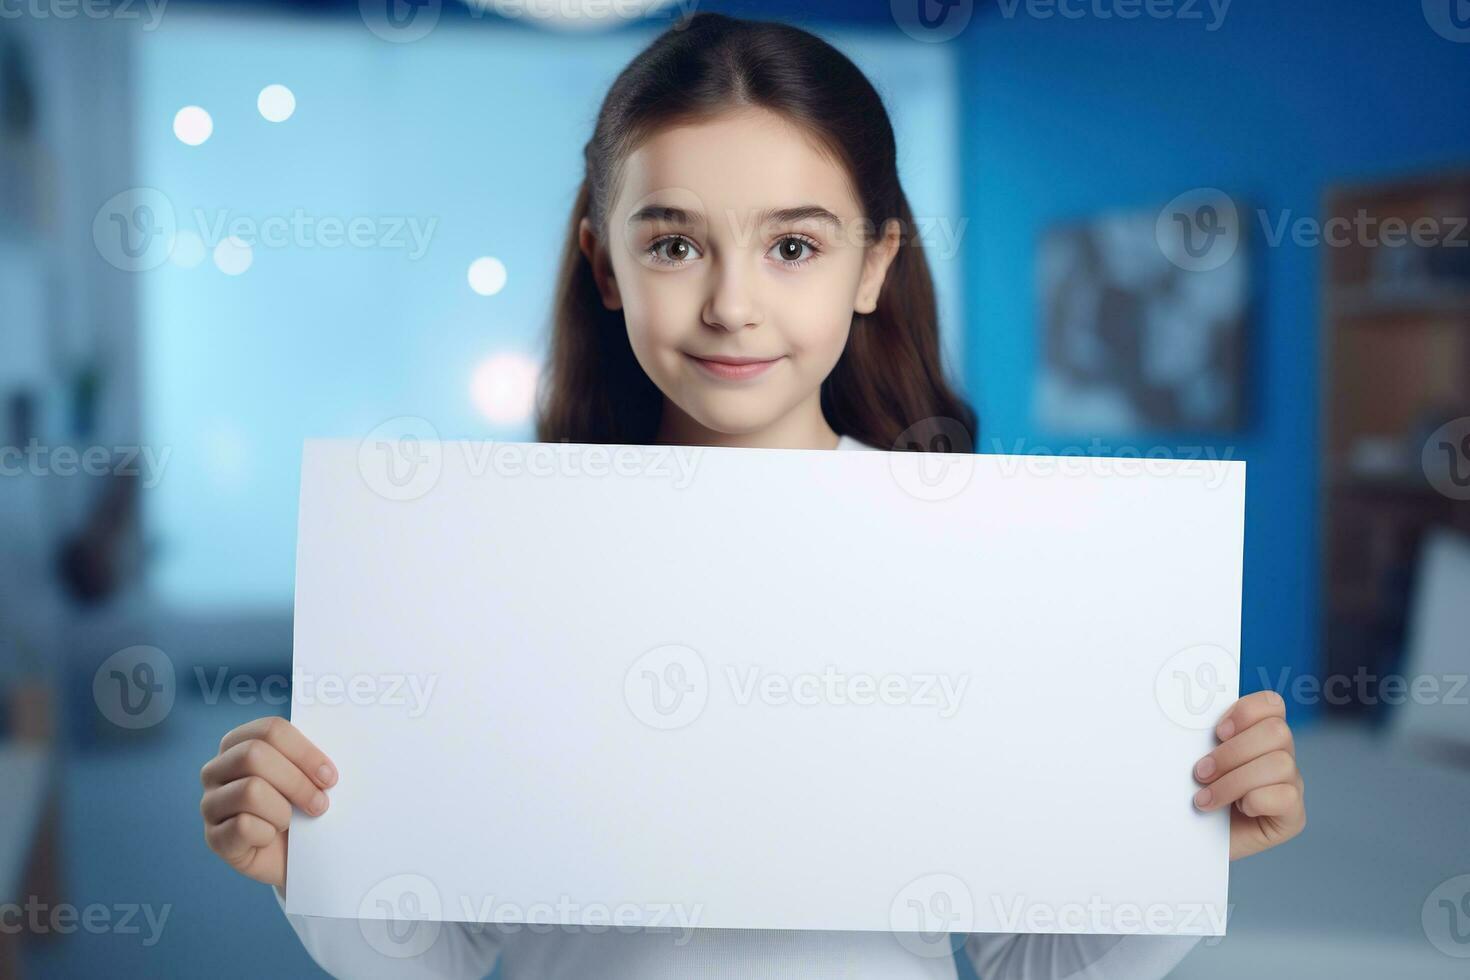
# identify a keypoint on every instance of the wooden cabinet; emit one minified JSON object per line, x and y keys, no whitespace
{"x":1396,"y":367}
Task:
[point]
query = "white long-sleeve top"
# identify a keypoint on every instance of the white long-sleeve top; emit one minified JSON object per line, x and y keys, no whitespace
{"x":353,"y":948}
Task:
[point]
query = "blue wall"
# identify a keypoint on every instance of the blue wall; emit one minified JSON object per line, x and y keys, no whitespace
{"x":1064,"y":118}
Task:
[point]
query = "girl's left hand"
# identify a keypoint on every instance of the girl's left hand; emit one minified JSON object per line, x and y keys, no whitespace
{"x":1254,"y":768}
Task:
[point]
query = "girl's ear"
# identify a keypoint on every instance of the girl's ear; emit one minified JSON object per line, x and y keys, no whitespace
{"x":876,"y":259}
{"x":602,"y":272}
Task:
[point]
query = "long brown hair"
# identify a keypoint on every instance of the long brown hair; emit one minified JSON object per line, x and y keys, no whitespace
{"x":888,"y":386}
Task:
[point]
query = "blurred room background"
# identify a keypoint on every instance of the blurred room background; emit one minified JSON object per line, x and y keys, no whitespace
{"x":1230,"y":230}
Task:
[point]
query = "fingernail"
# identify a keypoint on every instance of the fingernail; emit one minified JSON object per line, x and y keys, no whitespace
{"x":1226,"y":729}
{"x":327,"y":775}
{"x":1202,"y":798}
{"x":1204,"y":767}
{"x":319,"y":803}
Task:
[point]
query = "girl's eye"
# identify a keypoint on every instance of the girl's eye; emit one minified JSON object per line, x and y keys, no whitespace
{"x":673,"y":250}
{"x":794,"y":251}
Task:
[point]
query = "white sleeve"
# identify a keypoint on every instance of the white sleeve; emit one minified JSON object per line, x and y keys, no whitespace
{"x":1035,"y":956}
{"x":349,"y":949}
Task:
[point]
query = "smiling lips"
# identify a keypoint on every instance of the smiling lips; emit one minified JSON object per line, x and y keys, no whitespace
{"x":733,"y":368}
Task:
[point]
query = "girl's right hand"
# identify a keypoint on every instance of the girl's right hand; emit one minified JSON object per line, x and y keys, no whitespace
{"x":263,"y":768}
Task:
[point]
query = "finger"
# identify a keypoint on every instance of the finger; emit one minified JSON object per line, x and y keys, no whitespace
{"x":287,"y":739}
{"x":257,"y":758}
{"x":1257,"y":740}
{"x":1250,"y":710}
{"x":252,"y":795}
{"x":238,"y":835}
{"x":1273,"y":767}
{"x":1276,"y":800}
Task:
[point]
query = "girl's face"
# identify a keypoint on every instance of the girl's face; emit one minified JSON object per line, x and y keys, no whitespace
{"x":736,"y":250}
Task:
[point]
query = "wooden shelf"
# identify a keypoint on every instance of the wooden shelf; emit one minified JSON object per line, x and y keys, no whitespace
{"x":1395,"y":364}
{"x":1405,"y":485}
{"x":1374,"y":303}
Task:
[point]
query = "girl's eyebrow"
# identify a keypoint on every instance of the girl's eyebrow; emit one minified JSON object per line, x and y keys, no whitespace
{"x":679,"y":216}
{"x":804,"y":212}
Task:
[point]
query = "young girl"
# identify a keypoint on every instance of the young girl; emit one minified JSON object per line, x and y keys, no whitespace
{"x":737,"y":273}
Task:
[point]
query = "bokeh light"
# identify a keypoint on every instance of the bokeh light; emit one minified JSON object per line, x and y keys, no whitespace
{"x":193,"y":125}
{"x":276,"y":103}
{"x":487,"y":276}
{"x":503,"y":388}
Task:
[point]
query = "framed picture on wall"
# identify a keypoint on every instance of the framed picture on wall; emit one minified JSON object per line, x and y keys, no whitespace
{"x":1142,"y":322}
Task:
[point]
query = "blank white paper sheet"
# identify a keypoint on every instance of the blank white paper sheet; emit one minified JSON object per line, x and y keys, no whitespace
{"x":764,"y":689}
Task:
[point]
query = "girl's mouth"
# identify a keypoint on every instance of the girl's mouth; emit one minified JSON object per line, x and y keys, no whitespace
{"x":733,"y":368}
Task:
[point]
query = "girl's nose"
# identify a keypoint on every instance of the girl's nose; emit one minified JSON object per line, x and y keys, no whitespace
{"x":733,"y":304}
